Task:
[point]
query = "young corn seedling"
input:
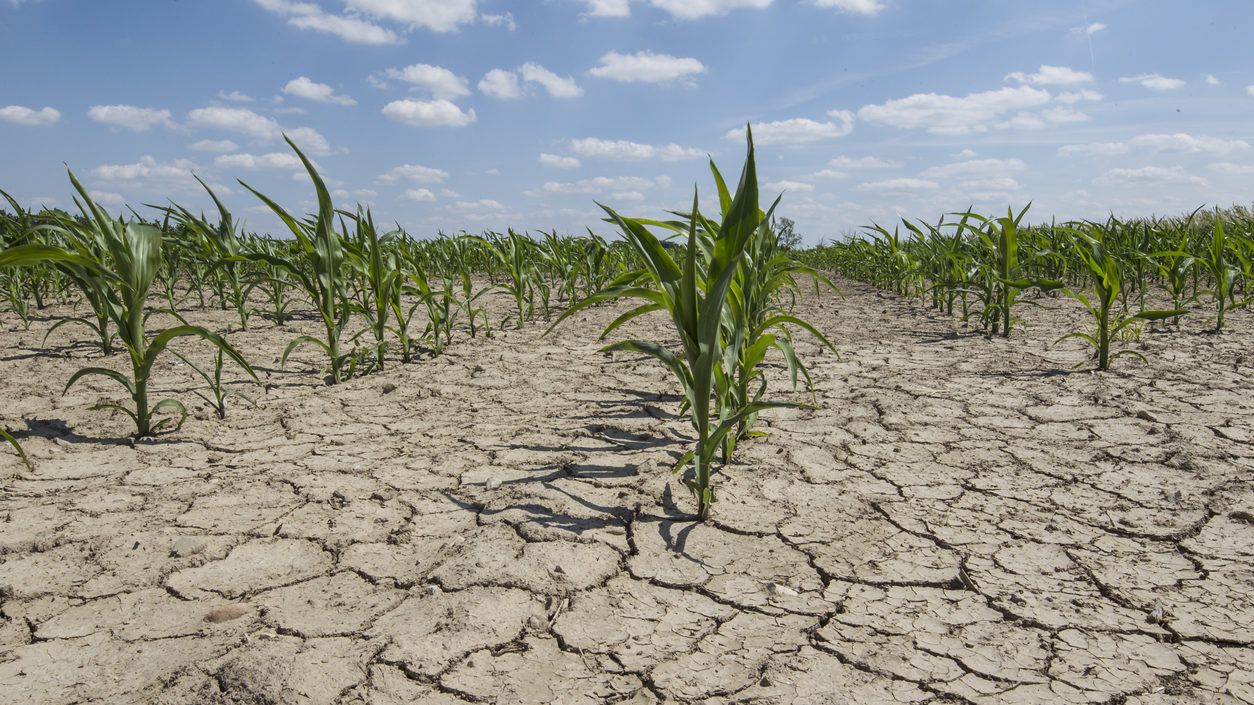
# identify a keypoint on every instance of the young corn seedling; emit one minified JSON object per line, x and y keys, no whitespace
{"x":1106,"y":278}
{"x":1216,"y":260}
{"x":218,"y":392}
{"x":17,"y":448}
{"x":221,"y":247}
{"x":694,"y":295}
{"x":1000,"y":237}
{"x":371,"y":255}
{"x":124,"y":272}
{"x":316,"y":265}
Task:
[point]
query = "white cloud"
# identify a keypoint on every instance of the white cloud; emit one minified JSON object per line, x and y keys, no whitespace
{"x":559,"y":161}
{"x":441,"y":82}
{"x":1234,"y":169}
{"x":797,"y":130}
{"x":952,"y":115}
{"x":624,"y":150}
{"x":862,"y":163}
{"x":608,"y":8}
{"x":505,"y":20}
{"x":557,"y":86}
{"x":213,"y":146}
{"x":309,"y":140}
{"x":975,"y":168}
{"x":429,"y":113}
{"x":988,"y":186}
{"x":1094,"y":149}
{"x":646,"y":67}
{"x":1188,"y":144}
{"x":493,"y":172}
{"x":602,"y":184}
{"x":1211,"y":80}
{"x":22,"y":115}
{"x":1151,"y":175}
{"x":107,"y":198}
{"x":239,"y":120}
{"x":436,"y":15}
{"x":483,"y":204}
{"x":854,"y":7}
{"x":1088,"y":30}
{"x":273,"y":160}
{"x":902,"y":184}
{"x":1249,"y":90}
{"x":146,"y":168}
{"x":1083,"y":95}
{"x":1052,"y":76}
{"x":787,"y":185}
{"x":419,"y":195}
{"x":130,"y":116}
{"x":501,"y":84}
{"x":307,"y":15}
{"x":696,"y":9}
{"x":1178,"y":142}
{"x":304,"y":87}
{"x":234,"y":97}
{"x":1155,"y":82}
{"x":829,"y":174}
{"x":414,"y":172}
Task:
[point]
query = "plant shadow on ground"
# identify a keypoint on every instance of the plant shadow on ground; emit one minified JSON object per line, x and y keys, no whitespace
{"x":57,"y":429}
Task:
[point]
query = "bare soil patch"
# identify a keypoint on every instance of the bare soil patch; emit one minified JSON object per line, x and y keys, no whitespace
{"x":962,"y":520}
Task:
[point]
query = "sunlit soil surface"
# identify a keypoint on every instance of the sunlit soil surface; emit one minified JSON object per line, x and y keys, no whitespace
{"x":962,"y":520}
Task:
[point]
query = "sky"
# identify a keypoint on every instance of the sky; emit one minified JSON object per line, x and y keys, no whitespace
{"x":451,"y":115}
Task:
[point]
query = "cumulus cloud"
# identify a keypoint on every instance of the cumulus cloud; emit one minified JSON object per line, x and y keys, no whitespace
{"x":1179,"y":142}
{"x":413,"y":172}
{"x":1151,"y":175}
{"x":557,"y":86}
{"x":239,"y":120}
{"x":307,"y":15}
{"x":213,"y":146}
{"x":429,"y":113}
{"x":646,"y":67}
{"x":1155,"y":82}
{"x":419,"y":195}
{"x":507,"y":85}
{"x":272,"y":160}
{"x":439,"y":81}
{"x":505,"y":20}
{"x":501,"y":84}
{"x":22,"y":115}
{"x":624,"y":150}
{"x":975,"y":168}
{"x":602,"y":184}
{"x":304,"y":87}
{"x":436,"y":15}
{"x":854,"y":7}
{"x":1052,"y":76}
{"x":234,"y":97}
{"x":797,"y":130}
{"x":902,"y":184}
{"x":862,"y":163}
{"x":608,"y":8}
{"x":146,"y":169}
{"x":954,"y":115}
{"x":130,"y":117}
{"x":559,"y":161}
{"x":1211,"y":80}
{"x":787,"y":185}
{"x":696,"y":9}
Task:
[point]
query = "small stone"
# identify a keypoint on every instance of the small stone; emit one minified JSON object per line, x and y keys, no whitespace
{"x":188,"y":546}
{"x":783,"y":590}
{"x":338,"y":497}
{"x":388,"y":388}
{"x":492,"y":483}
{"x":434,"y":590}
{"x":226,"y":613}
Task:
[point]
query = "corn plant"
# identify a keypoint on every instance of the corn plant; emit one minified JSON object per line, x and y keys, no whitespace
{"x":1217,"y":260}
{"x":513,"y":253}
{"x":694,"y":295}
{"x":221,"y":247}
{"x":1106,"y":279}
{"x":316,"y":264}
{"x":218,"y":392}
{"x":372,"y":256}
{"x":1004,"y":276}
{"x":124,"y":272}
{"x":17,"y":448}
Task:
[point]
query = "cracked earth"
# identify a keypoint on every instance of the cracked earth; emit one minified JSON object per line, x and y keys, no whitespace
{"x":962,"y":520}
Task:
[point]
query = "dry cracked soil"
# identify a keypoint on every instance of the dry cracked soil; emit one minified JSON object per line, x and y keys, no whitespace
{"x":960,"y":520}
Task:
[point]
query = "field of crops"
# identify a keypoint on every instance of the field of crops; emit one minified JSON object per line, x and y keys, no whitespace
{"x":967,"y":461}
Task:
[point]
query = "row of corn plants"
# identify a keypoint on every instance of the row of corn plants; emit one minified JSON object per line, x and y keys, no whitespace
{"x":1124,"y":273}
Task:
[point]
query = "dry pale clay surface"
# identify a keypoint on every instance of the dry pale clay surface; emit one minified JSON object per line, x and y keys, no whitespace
{"x":962,"y":520}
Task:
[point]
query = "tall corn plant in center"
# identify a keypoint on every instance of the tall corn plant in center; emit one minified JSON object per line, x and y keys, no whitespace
{"x":317,"y":266}
{"x":694,"y":294}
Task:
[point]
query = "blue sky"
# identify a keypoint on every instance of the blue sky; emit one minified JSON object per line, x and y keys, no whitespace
{"x":477,"y":114}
